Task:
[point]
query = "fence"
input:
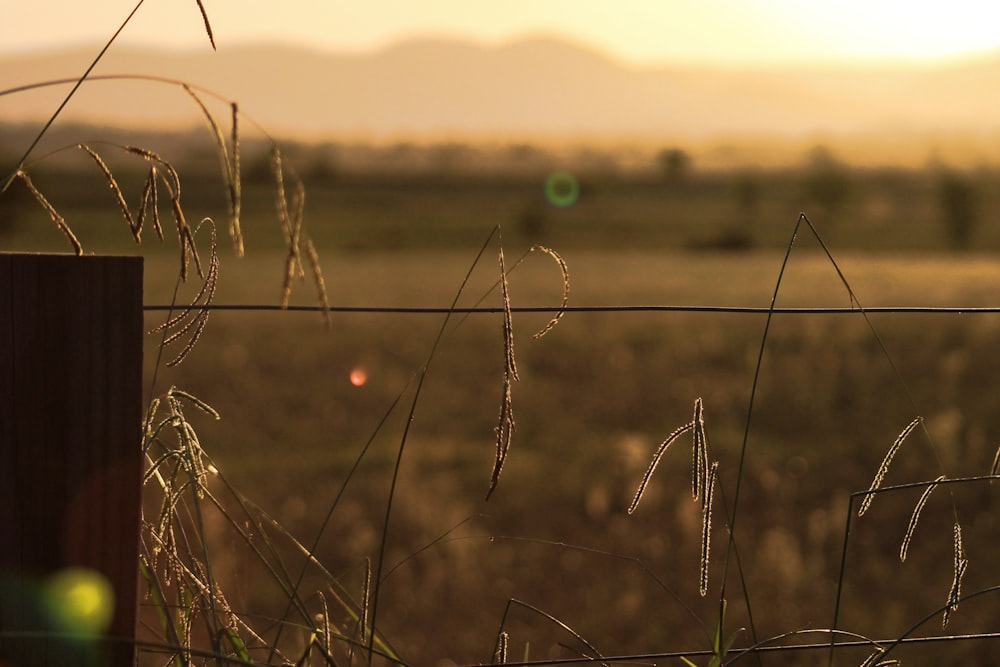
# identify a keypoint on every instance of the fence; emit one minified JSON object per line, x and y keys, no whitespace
{"x":70,"y":477}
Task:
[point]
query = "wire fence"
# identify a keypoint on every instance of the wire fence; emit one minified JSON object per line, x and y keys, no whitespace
{"x":432,"y":310}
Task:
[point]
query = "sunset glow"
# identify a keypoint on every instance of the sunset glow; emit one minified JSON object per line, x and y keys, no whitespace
{"x":638,"y":32}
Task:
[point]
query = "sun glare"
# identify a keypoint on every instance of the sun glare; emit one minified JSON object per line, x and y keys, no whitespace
{"x":741,"y":32}
{"x":884,"y":29}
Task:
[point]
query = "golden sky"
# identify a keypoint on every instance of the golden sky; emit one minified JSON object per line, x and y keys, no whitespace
{"x":641,"y":32}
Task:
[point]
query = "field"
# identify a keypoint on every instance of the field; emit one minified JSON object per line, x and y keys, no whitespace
{"x":595,"y":398}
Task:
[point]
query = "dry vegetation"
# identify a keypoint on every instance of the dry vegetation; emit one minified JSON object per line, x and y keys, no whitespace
{"x":295,"y":516}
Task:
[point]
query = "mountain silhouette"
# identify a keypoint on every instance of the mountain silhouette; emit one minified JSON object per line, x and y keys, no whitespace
{"x":531,"y":88}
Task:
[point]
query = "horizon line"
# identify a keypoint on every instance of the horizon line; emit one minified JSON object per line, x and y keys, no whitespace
{"x":828,"y":62}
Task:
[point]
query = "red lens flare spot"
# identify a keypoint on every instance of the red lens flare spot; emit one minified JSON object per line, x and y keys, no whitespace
{"x":359,"y":376}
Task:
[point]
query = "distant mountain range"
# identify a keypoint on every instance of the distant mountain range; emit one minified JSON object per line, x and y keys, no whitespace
{"x":533,"y":88}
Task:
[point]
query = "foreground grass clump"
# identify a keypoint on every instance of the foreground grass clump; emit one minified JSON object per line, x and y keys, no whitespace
{"x":595,"y":398}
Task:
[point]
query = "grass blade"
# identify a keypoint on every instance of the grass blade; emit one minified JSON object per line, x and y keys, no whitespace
{"x":208,"y":25}
{"x":655,"y":462}
{"x":706,"y":531}
{"x":961,"y":564}
{"x":564,"y":269}
{"x":505,"y":422}
{"x":883,"y":469}
{"x":915,"y":516}
{"x":53,"y":214}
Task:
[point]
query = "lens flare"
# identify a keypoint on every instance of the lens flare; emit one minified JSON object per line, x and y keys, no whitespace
{"x":359,"y":376}
{"x":562,"y":189}
{"x":81,"y":599}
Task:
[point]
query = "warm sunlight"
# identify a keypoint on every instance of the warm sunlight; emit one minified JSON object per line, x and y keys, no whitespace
{"x":640,"y":32}
{"x":890,"y":29}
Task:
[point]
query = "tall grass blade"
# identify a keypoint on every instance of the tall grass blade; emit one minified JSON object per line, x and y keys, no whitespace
{"x":201,"y":405}
{"x":734,"y":514}
{"x":192,"y":320}
{"x":229,"y":165}
{"x":500,"y":655}
{"x":208,"y":25}
{"x":873,"y":659}
{"x":319,"y":282}
{"x":289,"y":225}
{"x":422,"y":376}
{"x":508,"y":321}
{"x":961,"y":564}
{"x":185,"y":237}
{"x":706,"y":531}
{"x":564,"y":269}
{"x":53,"y":214}
{"x":699,"y":454}
{"x":235,"y":183}
{"x":576,"y":635}
{"x":505,"y":422}
{"x":366,"y":595}
{"x":883,"y":469}
{"x":135,"y":227}
{"x":655,"y":462}
{"x":915,"y":517}
{"x":504,"y":434}
{"x":146,"y":201}
{"x":327,"y":629}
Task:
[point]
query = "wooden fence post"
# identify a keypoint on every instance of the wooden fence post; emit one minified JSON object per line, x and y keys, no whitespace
{"x":70,"y":460}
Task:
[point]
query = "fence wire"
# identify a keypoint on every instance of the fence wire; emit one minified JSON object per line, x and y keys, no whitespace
{"x":432,"y":310}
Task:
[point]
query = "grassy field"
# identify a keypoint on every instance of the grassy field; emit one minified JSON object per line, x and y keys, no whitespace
{"x":402,"y":204}
{"x":595,"y":398}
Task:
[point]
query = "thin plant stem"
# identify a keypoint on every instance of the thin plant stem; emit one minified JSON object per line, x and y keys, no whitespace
{"x":376,"y":589}
{"x":72,"y":92}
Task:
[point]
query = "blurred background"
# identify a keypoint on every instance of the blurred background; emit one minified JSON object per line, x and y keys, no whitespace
{"x":665,"y":151}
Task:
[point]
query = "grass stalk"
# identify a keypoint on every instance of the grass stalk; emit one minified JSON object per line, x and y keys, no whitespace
{"x":376,"y":589}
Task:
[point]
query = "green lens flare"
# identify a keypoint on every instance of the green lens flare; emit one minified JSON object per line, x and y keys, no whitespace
{"x":562,"y":189}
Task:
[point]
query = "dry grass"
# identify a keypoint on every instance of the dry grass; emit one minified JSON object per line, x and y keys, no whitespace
{"x":190,"y":323}
{"x":915,"y":517}
{"x":883,"y":468}
{"x":660,"y":451}
{"x":230,"y":163}
{"x":53,"y":214}
{"x":706,"y":527}
{"x":505,"y":423}
{"x":564,"y":270}
{"x":961,"y":564}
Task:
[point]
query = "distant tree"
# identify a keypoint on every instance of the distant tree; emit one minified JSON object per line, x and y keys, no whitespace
{"x":827,"y":180}
{"x":958,"y":199}
{"x":675,"y":164}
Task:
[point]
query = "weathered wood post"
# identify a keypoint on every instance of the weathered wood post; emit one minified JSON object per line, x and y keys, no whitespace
{"x":70,"y":459}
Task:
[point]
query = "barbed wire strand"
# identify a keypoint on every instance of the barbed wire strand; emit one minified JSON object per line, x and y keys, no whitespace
{"x":745,"y":310}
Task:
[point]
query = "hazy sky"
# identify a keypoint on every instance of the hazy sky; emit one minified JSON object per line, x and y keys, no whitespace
{"x":644,"y":32}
